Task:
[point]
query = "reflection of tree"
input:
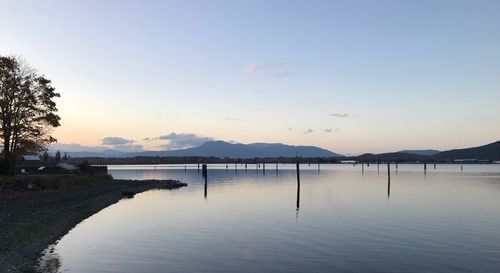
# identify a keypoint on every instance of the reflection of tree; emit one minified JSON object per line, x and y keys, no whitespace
{"x":50,"y":262}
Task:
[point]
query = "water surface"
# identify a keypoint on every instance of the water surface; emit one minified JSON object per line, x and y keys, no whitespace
{"x":349,"y":220}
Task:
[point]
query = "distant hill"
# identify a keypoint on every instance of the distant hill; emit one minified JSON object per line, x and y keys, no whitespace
{"x":486,"y":152}
{"x":421,"y":152}
{"x":106,"y":153}
{"x":223,"y":149}
{"x":397,"y":156}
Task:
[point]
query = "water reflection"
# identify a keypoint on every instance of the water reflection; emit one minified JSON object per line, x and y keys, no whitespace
{"x":388,"y":187}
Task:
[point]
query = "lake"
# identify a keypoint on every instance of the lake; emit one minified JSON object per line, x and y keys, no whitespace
{"x":348,"y":220}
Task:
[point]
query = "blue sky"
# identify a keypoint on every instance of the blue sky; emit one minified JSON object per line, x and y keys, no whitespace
{"x":349,"y":76}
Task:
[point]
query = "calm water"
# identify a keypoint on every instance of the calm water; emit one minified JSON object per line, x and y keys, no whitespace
{"x":444,"y":220}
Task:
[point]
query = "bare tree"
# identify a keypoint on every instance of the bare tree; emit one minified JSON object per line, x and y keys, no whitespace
{"x":27,"y":111}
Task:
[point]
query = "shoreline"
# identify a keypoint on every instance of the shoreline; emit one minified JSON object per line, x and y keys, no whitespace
{"x":31,"y":221}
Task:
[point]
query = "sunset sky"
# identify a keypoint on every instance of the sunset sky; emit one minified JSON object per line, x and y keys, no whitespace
{"x":348,"y":76}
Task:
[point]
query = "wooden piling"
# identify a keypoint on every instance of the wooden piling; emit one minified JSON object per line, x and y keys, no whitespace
{"x":389,"y":170}
{"x":205,"y":176}
{"x":425,"y":167}
{"x":298,"y":185}
{"x":264,"y":168}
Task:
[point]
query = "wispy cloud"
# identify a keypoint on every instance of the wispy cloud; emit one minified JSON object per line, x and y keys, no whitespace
{"x":340,"y":115}
{"x":250,"y":70}
{"x":284,"y":74}
{"x":277,"y":69}
{"x":330,"y":130}
{"x":308,"y":131}
{"x":233,"y":119}
{"x":115,"y":141}
{"x":74,"y":147}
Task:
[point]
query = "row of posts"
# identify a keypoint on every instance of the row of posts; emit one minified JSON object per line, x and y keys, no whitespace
{"x":205,"y":176}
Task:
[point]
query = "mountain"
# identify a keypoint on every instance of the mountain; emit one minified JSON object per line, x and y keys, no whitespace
{"x":420,"y":152}
{"x":222,"y":149}
{"x":486,"y":152}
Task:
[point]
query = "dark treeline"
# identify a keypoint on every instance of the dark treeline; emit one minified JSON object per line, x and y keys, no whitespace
{"x":366,"y":158}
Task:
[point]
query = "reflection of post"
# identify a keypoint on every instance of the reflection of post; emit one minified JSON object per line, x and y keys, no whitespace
{"x":198,"y":167}
{"x":246,"y":167}
{"x":205,"y":175}
{"x":378,"y":167}
{"x":362,"y":168}
{"x":227,"y":167}
{"x":235,"y":167}
{"x":276,"y":167}
{"x":318,"y":166}
{"x":298,"y":185}
{"x":388,"y":187}
{"x":434,"y":166}
{"x":264,"y":168}
{"x":185,"y":168}
{"x":462,"y":168}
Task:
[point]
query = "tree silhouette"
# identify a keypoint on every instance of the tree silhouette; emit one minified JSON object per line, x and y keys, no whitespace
{"x":58,"y":156}
{"x":45,"y":156}
{"x":27,"y":111}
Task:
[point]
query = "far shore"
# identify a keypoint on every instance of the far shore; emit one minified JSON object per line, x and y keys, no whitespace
{"x":30,"y":221}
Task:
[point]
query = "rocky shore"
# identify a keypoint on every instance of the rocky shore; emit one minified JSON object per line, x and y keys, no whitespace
{"x":30,"y":221}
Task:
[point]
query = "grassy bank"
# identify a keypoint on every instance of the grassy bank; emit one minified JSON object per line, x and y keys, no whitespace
{"x":40,"y":209}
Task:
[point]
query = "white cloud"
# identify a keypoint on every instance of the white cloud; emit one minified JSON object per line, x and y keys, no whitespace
{"x":181,"y":140}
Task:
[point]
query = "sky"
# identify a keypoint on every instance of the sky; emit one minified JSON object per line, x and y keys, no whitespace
{"x":349,"y":76}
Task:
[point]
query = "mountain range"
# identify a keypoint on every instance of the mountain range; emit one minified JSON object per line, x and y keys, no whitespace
{"x":223,"y":149}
